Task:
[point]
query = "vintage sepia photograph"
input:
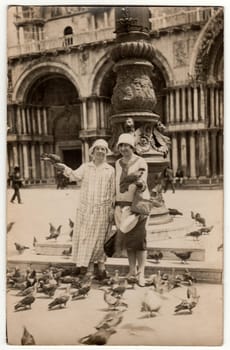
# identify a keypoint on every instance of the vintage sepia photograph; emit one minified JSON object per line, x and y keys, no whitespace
{"x":115,"y":174}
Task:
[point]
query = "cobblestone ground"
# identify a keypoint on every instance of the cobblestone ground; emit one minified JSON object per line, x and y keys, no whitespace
{"x":66,"y":326}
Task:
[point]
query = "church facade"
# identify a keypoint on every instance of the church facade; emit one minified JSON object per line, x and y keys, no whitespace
{"x":61,"y":79}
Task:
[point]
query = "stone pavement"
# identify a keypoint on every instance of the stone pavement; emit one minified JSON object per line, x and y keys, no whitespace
{"x":203,"y":327}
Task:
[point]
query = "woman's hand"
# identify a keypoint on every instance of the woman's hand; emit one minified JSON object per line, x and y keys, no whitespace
{"x":59,"y":166}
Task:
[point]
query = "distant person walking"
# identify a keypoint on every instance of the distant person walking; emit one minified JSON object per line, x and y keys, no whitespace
{"x":179,"y":176}
{"x":16,"y":184}
{"x":168,"y":179}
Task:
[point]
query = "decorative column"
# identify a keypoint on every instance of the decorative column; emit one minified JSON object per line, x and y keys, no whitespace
{"x":33,"y":116}
{"x":202,"y":103}
{"x":102,"y":116}
{"x":86,"y":151}
{"x":23,"y":121}
{"x":39,"y":121}
{"x":15,"y":154}
{"x":183,"y":104}
{"x":177,"y":105}
{"x":42,"y":164}
{"x":192,"y":160}
{"x":84,"y":114}
{"x":220,"y":153}
{"x":174,"y":153}
{"x":213,"y":153}
{"x":171,"y":106}
{"x":184,"y":163}
{"x":195,"y":103}
{"x":201,"y":153}
{"x":221,"y":115}
{"x":217,"y":113}
{"x":45,"y":126}
{"x":33,"y":159}
{"x":189,"y":91}
{"x":105,"y":19}
{"x":25,"y":160}
{"x":168,"y":107}
{"x":18,"y":120}
{"x":212,"y":110}
{"x":207,"y":147}
{"x":134,"y":98}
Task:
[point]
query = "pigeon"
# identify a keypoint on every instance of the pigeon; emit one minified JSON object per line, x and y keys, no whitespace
{"x":35,"y":242}
{"x":20,"y":248}
{"x":130,"y":179}
{"x":195,"y":234}
{"x":151,"y":302}
{"x":156,"y":255}
{"x":25,"y":302}
{"x":119,"y":290}
{"x":10,"y":226}
{"x":55,"y":234}
{"x":52,"y":158}
{"x":183,"y":256}
{"x":187,"y":277}
{"x":206,"y":229}
{"x":27,"y":291}
{"x":61,"y":300}
{"x":71,"y":223}
{"x":48,"y":289}
{"x":193,"y":215}
{"x":111,"y":319}
{"x":67,"y":252}
{"x":189,"y":303}
{"x":27,"y":338}
{"x":173,"y":281}
{"x":220,"y":247}
{"x":174,"y":212}
{"x":112,"y":301}
{"x":200,"y":220}
{"x":98,"y":338}
{"x":81,"y":292}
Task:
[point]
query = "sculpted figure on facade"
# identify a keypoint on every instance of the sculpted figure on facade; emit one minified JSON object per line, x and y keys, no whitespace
{"x":159,"y":141}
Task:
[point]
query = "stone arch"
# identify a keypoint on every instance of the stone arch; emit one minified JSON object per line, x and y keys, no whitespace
{"x":161,"y":62}
{"x":208,"y":37}
{"x":31,"y":74}
{"x":101,"y":69}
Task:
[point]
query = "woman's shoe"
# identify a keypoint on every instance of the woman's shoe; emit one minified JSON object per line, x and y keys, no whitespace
{"x":141,"y":281}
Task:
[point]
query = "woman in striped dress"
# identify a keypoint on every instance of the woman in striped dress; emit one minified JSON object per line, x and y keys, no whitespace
{"x":95,"y":209}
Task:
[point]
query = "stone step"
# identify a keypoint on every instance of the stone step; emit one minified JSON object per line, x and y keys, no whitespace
{"x":207,"y":272}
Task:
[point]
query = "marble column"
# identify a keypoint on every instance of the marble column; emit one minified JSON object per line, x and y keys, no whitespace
{"x":183,"y":143}
{"x":213,"y":153}
{"x":202,"y":103}
{"x":33,"y":116}
{"x":189,"y":92}
{"x":171,"y":118}
{"x":220,"y":152}
{"x":23,"y":121}
{"x":21,"y":35}
{"x":86,"y":151}
{"x":192,"y":161}
{"x":45,"y":126}
{"x":217,"y":103}
{"x":20,"y":154}
{"x":105,"y":19}
{"x":18,"y":120}
{"x":42,"y":164}
{"x":195,"y":103}
{"x":102,"y":116}
{"x":177,"y":105}
{"x":33,"y":159}
{"x":183,"y":102}
{"x":201,"y":138}
{"x":221,"y":115}
{"x":25,"y":160}
{"x":212,"y":109}
{"x":174,"y":153}
{"x":168,"y":107}
{"x":207,"y":148}
{"x":28,"y":120}
{"x":15,"y":154}
{"x":84,"y":114}
{"x":39,"y":121}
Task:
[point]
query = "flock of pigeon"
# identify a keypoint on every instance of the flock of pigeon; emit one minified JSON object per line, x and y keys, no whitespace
{"x":64,"y":285}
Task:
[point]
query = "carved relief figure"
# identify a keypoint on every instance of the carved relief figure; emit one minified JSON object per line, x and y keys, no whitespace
{"x":160,"y":142}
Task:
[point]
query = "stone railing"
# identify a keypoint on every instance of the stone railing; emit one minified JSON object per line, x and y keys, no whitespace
{"x":36,"y":46}
{"x":197,"y":15}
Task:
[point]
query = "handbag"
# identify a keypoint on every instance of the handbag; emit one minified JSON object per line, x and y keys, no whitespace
{"x":109,"y":245}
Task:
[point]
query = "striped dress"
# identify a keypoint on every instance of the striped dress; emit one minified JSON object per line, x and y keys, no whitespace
{"x":92,"y":219}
